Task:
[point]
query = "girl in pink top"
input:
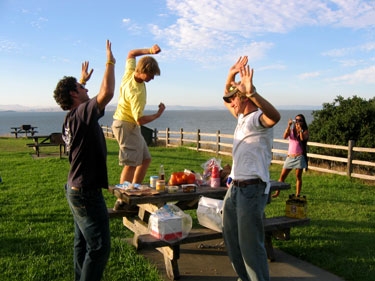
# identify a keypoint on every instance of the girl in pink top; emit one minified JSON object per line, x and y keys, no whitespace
{"x":298,"y":135}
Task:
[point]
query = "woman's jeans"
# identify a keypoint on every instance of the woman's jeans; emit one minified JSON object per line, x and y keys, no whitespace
{"x":91,"y":234}
{"x":243,"y":212}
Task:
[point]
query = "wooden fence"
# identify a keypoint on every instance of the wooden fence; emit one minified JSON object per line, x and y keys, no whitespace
{"x":221,"y":144}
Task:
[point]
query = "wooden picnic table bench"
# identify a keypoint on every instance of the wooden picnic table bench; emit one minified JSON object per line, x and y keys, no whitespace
{"x":54,"y":139}
{"x":23,"y":129}
{"x":276,"y":227}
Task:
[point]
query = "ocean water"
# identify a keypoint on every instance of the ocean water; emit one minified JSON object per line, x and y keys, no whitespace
{"x":208,"y":121}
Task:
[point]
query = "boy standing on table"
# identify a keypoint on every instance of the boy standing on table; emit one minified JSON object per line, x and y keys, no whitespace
{"x":246,"y":198}
{"x":129,"y":116}
{"x":87,"y":176}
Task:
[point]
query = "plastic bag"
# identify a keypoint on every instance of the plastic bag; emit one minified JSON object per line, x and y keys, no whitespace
{"x":185,"y":177}
{"x":170,"y":223}
{"x":209,"y":213}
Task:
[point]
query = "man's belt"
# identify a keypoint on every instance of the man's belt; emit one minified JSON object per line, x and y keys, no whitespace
{"x":243,"y":183}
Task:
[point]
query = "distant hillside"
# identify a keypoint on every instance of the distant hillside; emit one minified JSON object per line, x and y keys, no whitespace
{"x":111,"y":107}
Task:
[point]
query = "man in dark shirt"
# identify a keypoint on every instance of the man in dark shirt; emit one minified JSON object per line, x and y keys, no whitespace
{"x":87,"y":176}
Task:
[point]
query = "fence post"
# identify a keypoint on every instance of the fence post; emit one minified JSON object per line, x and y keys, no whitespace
{"x":181,"y":137}
{"x":217,"y":142}
{"x":198,"y":139}
{"x":167,"y":137}
{"x":155,"y":136}
{"x":349,"y":170}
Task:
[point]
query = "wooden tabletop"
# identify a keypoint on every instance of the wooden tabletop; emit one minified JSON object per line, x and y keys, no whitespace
{"x":161,"y":197}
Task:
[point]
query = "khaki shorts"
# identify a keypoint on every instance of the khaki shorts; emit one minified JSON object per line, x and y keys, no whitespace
{"x":133,"y":147}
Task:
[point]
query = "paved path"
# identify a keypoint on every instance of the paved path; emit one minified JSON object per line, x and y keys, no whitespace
{"x":211,"y":264}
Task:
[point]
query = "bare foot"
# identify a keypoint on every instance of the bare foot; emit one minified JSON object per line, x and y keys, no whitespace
{"x":276,"y":194}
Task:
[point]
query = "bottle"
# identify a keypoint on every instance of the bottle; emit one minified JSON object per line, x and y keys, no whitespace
{"x":215,"y":176}
{"x":160,"y":185}
{"x":161,"y":173}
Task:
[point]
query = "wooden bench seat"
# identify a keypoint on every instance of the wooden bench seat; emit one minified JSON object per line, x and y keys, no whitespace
{"x":276,"y":227}
{"x":121,"y":213}
{"x":23,"y":132}
{"x":42,"y":144}
{"x":39,"y":145}
{"x":195,"y":235}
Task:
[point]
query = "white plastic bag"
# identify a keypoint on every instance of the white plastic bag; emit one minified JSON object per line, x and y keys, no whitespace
{"x":209,"y":213}
{"x":170,"y":223}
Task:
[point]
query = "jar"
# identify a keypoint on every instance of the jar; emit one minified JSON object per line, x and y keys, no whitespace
{"x":153,"y":180}
{"x":172,"y":189}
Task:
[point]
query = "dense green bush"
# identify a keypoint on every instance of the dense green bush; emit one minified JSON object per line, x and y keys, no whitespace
{"x":343,"y":120}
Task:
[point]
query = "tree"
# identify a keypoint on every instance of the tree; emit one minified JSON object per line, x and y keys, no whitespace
{"x":344,"y":120}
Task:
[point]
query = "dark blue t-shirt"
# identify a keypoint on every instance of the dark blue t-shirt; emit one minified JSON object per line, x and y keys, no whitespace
{"x":86,"y":145}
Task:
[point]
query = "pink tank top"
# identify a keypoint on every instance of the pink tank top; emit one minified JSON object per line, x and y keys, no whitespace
{"x":294,"y":145}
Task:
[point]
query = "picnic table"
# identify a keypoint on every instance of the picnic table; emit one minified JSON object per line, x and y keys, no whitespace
{"x":23,"y":129}
{"x":149,"y":203}
{"x":54,"y":139}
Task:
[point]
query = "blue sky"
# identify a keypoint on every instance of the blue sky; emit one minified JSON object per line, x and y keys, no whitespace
{"x":304,"y":53}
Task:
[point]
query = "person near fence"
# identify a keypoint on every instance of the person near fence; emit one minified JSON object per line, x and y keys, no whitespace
{"x":87,"y":176}
{"x":247,"y":195}
{"x":134,"y":155}
{"x":298,"y":133}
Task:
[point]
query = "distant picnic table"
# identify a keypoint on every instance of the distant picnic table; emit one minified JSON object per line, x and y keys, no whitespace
{"x":23,"y":129}
{"x":54,"y":139}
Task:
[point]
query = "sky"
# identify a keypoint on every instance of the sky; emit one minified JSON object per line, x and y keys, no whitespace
{"x":303,"y":52}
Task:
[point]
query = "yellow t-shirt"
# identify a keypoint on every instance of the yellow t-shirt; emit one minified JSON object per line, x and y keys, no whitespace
{"x":132,"y":99}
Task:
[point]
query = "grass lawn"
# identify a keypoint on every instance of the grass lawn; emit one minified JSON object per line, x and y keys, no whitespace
{"x":36,"y":227}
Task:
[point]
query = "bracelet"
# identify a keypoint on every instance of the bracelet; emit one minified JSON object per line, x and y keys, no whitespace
{"x":110,"y":62}
{"x":82,"y":81}
{"x":254,"y":92}
{"x":151,"y":52}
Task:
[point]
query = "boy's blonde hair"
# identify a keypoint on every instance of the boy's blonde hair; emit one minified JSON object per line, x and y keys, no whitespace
{"x":148,"y":65}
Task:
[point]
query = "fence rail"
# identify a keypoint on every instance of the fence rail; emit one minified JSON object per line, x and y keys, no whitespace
{"x":221,"y":144}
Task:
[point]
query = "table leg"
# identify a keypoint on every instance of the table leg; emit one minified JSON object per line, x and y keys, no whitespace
{"x":171,"y":256}
{"x":268,"y":245}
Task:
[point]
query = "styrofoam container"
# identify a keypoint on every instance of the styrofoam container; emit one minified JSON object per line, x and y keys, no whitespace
{"x":166,"y":228}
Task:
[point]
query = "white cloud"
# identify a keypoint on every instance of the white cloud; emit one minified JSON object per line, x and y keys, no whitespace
{"x":367,"y":47}
{"x":8,"y":46}
{"x":366,"y":75}
{"x":208,"y":26}
{"x":351,"y":62}
{"x":133,"y":28}
{"x":338,"y":52}
{"x":272,"y":67}
{"x":38,"y":22}
{"x":307,"y":75}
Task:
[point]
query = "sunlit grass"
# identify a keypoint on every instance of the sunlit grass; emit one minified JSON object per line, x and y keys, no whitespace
{"x":36,"y":227}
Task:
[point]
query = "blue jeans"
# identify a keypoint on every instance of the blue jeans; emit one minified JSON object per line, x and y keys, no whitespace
{"x":243,"y":231}
{"x":91,"y":233}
